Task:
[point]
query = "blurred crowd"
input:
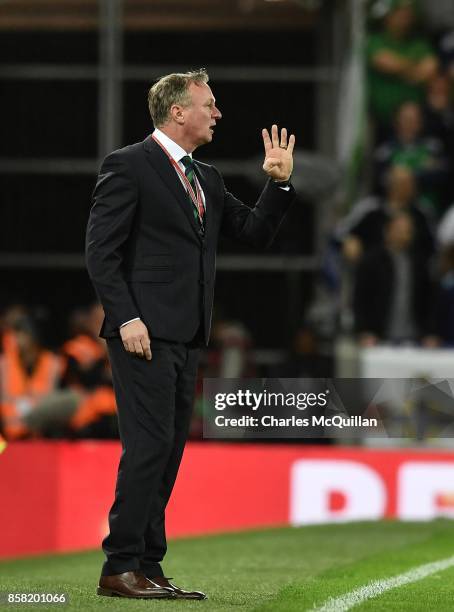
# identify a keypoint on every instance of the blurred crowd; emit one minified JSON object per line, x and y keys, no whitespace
{"x":67,"y":392}
{"x":396,"y":245}
{"x":54,"y":393}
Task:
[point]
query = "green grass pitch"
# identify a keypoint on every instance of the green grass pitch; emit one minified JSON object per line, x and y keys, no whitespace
{"x":275,"y":570}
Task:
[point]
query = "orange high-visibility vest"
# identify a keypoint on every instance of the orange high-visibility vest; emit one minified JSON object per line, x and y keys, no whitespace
{"x":97,"y":402}
{"x":84,"y":349}
{"x":9,"y":342}
{"x":18,"y":387}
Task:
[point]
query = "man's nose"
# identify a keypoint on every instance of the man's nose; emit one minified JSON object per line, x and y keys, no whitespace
{"x":217,"y":113}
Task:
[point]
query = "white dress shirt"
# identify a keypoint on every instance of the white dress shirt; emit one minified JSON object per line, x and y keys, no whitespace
{"x":177,"y":153}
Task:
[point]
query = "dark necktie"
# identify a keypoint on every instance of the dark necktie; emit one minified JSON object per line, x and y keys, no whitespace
{"x":190,"y":175}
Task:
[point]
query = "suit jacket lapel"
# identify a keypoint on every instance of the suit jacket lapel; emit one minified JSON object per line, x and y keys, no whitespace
{"x":204,"y":183}
{"x":160,"y":162}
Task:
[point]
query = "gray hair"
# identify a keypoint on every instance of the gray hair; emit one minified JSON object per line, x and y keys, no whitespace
{"x":172,"y":89}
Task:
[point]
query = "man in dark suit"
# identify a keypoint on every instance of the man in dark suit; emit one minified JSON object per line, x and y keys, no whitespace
{"x":393,"y":293}
{"x":151,"y":249}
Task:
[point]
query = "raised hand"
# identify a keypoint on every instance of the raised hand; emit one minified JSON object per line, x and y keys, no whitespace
{"x":278,"y":162}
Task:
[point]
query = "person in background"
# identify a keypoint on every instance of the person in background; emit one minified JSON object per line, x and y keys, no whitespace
{"x":445,"y":229}
{"x":425,"y":155}
{"x":444,"y":301}
{"x":50,"y":395}
{"x":446,"y":52}
{"x":8,"y":317}
{"x":305,"y":358}
{"x":438,"y":112}
{"x":443,"y":309}
{"x":362,"y":230}
{"x":88,"y":373}
{"x":29,"y":373}
{"x":399,"y":61}
{"x":392,"y":293}
{"x":229,"y":356}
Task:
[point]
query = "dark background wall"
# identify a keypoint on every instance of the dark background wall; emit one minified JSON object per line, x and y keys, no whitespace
{"x":47,"y":213}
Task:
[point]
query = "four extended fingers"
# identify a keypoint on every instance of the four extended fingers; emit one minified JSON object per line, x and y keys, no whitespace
{"x":275,"y":141}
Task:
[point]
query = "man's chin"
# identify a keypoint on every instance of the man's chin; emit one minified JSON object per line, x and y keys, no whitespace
{"x":206,"y":140}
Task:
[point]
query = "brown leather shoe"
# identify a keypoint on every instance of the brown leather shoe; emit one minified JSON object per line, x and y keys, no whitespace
{"x":133,"y":585}
{"x":161,"y":581}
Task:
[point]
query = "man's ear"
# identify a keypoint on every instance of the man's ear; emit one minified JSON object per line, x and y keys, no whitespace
{"x":177,"y":114}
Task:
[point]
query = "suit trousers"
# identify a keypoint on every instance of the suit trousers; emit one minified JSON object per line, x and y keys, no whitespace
{"x":155,"y":400}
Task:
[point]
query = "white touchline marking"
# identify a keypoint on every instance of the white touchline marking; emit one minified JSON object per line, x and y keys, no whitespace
{"x":378,"y":587}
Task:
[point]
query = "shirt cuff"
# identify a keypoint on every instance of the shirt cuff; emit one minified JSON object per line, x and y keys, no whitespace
{"x":130,"y":321}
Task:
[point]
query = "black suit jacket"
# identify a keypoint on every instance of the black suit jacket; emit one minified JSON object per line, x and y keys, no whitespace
{"x":145,"y":253}
{"x":374,"y":290}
